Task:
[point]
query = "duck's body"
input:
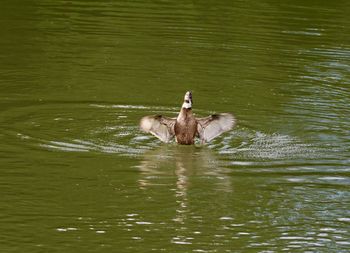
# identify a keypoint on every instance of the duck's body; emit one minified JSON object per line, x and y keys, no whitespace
{"x":186,"y":126}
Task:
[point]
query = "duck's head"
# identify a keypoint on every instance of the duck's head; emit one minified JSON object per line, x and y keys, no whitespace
{"x":187,"y":100}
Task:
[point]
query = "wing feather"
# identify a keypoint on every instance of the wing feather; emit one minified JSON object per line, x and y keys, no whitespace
{"x":160,"y":126}
{"x":214,"y":125}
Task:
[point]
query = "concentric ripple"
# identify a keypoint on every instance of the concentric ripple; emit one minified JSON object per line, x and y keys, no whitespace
{"x":114,"y":129}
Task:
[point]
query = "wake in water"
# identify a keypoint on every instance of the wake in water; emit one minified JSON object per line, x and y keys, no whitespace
{"x":123,"y":137}
{"x":251,"y":144}
{"x":255,"y":145}
{"x":114,"y":129}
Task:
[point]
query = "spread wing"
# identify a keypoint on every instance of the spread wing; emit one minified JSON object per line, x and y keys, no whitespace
{"x":160,"y":126}
{"x":214,"y":125}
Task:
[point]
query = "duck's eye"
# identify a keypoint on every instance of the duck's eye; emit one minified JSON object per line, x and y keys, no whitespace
{"x":187,"y":101}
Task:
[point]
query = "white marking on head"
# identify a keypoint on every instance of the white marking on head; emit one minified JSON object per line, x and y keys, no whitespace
{"x":186,"y":105}
{"x":187,"y":100}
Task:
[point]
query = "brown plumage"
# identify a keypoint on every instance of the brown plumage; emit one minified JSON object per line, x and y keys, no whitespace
{"x":186,"y":127}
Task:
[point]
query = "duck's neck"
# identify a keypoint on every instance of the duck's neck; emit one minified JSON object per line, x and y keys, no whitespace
{"x":184,"y":113}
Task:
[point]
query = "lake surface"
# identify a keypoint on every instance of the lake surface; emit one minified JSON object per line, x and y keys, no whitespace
{"x":77,"y":175}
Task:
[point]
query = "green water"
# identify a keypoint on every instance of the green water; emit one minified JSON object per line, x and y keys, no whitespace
{"x":77,"y":175}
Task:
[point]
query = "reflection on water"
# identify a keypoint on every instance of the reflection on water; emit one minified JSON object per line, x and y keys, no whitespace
{"x":186,"y":162}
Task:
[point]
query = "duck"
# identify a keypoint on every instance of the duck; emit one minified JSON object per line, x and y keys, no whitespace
{"x":185,"y":128}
